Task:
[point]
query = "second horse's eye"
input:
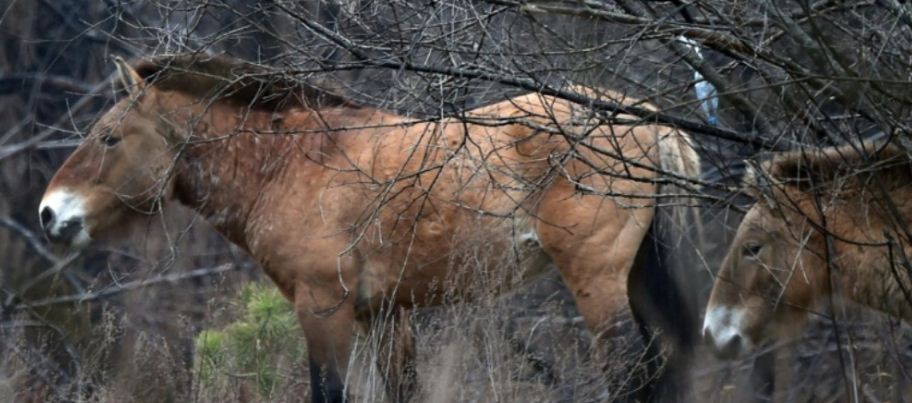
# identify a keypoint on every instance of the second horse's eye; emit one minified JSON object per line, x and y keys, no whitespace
{"x":752,"y":250}
{"x":109,"y":140}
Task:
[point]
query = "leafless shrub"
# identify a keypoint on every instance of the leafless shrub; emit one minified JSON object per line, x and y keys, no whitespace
{"x":787,"y":75}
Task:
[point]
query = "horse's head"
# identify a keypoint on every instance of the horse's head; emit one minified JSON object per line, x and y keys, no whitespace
{"x":774,"y":271}
{"x":120,"y":169}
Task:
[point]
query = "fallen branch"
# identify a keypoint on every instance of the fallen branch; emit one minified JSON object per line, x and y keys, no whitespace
{"x":128,"y":286}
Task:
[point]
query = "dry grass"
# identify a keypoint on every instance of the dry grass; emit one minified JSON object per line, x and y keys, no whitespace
{"x":515,"y":336}
{"x":528,"y":345}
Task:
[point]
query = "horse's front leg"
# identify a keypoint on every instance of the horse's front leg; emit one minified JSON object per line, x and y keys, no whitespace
{"x":397,"y":354}
{"x":327,"y":317}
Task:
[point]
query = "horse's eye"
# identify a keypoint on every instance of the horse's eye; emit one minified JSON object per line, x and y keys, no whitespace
{"x":109,"y":140}
{"x":752,"y":251}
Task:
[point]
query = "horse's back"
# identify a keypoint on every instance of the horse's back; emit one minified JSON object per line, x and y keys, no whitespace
{"x":418,"y":198}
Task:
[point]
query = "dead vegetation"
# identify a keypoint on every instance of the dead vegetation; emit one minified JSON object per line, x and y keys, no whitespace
{"x":125,"y":322}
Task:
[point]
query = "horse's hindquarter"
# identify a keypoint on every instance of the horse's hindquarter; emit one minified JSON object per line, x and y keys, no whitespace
{"x":592,"y":221}
{"x":529,"y":164}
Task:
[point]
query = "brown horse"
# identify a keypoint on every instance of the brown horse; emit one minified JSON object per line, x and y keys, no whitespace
{"x":352,"y":210}
{"x":826,"y":221}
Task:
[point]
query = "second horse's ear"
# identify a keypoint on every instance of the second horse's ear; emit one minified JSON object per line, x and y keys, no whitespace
{"x":131,"y":81}
{"x":757,"y":183}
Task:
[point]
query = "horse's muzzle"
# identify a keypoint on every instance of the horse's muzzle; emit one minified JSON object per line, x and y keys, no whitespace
{"x":728,"y":349}
{"x":723,"y":333}
{"x":63,"y":219}
{"x":60,"y":232}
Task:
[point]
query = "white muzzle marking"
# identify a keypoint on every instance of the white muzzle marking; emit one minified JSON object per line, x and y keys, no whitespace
{"x":723,"y":328}
{"x":62,"y":215}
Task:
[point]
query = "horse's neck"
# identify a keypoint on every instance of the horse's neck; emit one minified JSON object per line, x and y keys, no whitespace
{"x":236,"y":156}
{"x":225,"y":170}
{"x":888,"y":290}
{"x":869,"y":275}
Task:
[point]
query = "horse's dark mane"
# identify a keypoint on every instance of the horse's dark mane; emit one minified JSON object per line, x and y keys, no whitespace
{"x":227,"y":79}
{"x":888,"y":160}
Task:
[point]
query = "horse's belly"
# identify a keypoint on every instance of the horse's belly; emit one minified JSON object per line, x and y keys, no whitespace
{"x":429,"y":268}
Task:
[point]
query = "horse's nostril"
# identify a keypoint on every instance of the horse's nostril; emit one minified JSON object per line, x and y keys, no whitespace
{"x":68,"y":229}
{"x":733,"y":347}
{"x":47,"y":217}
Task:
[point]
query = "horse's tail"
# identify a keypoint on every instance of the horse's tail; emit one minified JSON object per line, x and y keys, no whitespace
{"x":664,"y":284}
{"x":677,"y":236}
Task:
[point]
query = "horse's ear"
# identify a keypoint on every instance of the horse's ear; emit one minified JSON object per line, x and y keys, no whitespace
{"x":757,"y":182}
{"x":131,"y":81}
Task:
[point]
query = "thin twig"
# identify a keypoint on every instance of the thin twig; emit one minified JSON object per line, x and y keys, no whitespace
{"x":128,"y":286}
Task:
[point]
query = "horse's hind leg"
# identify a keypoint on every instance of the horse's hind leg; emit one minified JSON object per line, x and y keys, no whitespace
{"x":593,"y":241}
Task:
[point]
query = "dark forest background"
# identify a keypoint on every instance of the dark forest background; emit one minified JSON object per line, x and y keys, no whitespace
{"x":119,"y":322}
